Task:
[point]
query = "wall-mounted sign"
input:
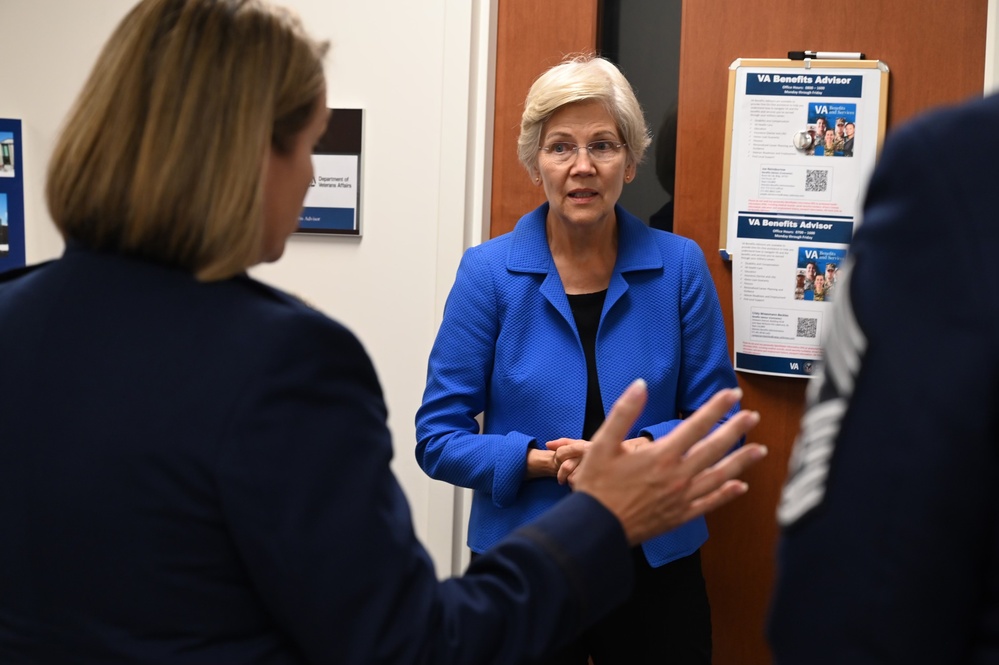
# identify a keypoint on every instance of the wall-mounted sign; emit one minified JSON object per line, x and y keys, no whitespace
{"x":332,"y":204}
{"x":802,"y":140}
{"x":11,"y":196}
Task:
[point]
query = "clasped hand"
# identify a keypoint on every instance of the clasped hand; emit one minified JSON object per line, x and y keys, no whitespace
{"x":657,"y":487}
{"x":568,"y":453}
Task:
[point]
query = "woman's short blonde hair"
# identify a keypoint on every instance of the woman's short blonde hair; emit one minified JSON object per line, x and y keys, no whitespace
{"x":162,"y":156}
{"x":581,"y":78}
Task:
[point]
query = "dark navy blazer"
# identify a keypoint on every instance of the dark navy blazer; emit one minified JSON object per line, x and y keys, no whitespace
{"x":198,"y":473}
{"x":889,"y":551}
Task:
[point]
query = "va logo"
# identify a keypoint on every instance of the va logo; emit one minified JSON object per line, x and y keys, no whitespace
{"x":313,"y":183}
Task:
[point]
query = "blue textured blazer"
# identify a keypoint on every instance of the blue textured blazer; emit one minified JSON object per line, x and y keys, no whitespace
{"x":508,"y":348}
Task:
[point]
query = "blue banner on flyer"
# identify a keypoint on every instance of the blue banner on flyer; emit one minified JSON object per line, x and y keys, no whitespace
{"x":794,"y":229}
{"x":11,"y":196}
{"x":775,"y":364}
{"x":804,"y":85}
{"x":831,"y":112}
{"x":331,"y":219}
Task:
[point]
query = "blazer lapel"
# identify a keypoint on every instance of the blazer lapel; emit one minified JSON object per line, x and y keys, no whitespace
{"x":529,"y":253}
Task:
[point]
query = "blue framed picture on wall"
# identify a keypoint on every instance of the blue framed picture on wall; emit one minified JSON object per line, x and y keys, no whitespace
{"x":11,"y":196}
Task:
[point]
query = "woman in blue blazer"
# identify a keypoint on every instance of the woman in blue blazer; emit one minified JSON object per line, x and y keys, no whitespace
{"x":545,"y":326}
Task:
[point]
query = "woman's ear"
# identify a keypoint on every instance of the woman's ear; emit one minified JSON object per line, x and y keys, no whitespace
{"x":630,"y":170}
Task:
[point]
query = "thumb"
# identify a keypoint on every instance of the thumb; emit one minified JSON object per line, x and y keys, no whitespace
{"x":624,"y":413}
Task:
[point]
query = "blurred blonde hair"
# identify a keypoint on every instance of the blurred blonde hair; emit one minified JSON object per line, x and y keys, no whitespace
{"x":162,"y":155}
{"x":578,"y":78}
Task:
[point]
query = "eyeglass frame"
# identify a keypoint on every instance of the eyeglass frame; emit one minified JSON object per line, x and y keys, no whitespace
{"x":547,"y":149}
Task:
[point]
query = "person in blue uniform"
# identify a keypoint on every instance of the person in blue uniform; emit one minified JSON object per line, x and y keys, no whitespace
{"x":889,"y":546}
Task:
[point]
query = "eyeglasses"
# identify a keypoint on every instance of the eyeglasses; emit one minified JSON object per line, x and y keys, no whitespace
{"x":562,"y":152}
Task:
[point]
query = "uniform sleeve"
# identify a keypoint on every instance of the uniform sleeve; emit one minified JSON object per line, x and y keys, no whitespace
{"x":449,"y":446}
{"x":327,"y":540}
{"x":705,"y":364}
{"x":889,"y":512}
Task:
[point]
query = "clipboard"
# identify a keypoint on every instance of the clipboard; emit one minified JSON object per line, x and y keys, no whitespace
{"x":802,"y":138}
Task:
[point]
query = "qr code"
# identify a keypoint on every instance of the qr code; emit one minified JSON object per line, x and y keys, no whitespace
{"x":807,"y":327}
{"x":816,"y":180}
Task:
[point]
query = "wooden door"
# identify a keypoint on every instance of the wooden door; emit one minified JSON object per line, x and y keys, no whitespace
{"x":531,"y":36}
{"x":936,"y":54}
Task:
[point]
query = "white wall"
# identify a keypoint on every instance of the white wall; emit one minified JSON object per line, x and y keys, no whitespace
{"x":420,"y":70}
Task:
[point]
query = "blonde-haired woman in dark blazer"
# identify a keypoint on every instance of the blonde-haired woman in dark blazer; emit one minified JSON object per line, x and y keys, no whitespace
{"x":194,"y":466}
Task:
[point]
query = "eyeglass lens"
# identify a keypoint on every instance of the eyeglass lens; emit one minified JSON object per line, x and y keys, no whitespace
{"x":562,"y":151}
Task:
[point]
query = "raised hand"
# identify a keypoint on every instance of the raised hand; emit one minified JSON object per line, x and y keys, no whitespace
{"x":684,"y":474}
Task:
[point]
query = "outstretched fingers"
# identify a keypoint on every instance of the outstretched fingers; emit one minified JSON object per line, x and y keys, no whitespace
{"x":607,"y":439}
{"x":719,"y":483}
{"x":658,"y":487}
{"x":705,"y":457}
{"x":730,"y":490}
{"x":696,"y":427}
{"x":713,"y":447}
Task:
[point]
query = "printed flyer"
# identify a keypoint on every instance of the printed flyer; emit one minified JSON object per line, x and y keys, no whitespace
{"x":804,"y":139}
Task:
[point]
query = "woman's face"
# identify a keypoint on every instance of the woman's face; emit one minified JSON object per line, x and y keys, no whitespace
{"x":287,"y":177}
{"x":583,"y":192}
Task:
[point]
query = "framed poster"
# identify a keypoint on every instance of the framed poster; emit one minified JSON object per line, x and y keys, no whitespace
{"x":802,"y":140}
{"x":332,"y":204}
{"x":11,"y":196}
